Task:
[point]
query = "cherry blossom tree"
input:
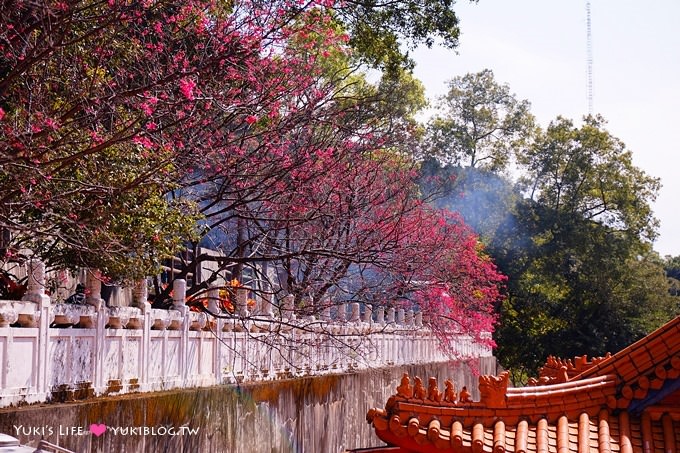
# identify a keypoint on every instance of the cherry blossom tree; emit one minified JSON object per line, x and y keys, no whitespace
{"x":133,"y":128}
{"x":104,"y":105}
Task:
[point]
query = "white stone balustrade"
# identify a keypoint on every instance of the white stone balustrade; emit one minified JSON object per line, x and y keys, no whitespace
{"x":128,"y":349}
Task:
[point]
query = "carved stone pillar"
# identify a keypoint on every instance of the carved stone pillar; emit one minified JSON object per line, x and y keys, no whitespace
{"x":355,"y":311}
{"x":93,"y":289}
{"x":29,"y":315}
{"x":390,"y":315}
{"x":288,"y":307}
{"x":342,"y":313}
{"x":179,"y":292}
{"x":35,"y":289}
{"x":241,"y":303}
{"x":368,"y":314}
{"x":214,"y":299}
{"x":408,"y":320}
{"x":326,"y":311}
{"x":266,"y":307}
{"x":380,"y":315}
{"x":400,"y":316}
{"x":140,"y":294}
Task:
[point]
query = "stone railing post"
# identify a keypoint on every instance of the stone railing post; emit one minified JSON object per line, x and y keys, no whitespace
{"x":326,"y":311}
{"x":101,"y":319}
{"x":341,"y":315}
{"x":214,"y":307}
{"x":400,"y":316}
{"x":266,"y":307}
{"x":179,"y":292}
{"x":214,"y":299}
{"x":241,"y":303}
{"x":380,"y":316}
{"x":93,"y":297}
{"x":140,"y":296}
{"x":41,"y":318}
{"x":368,"y":314}
{"x":35,"y":288}
{"x":390,"y":315}
{"x":355,"y":311}
{"x":287,"y":307}
{"x":93,"y":289}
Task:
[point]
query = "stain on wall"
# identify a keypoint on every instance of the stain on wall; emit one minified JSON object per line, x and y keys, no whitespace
{"x":314,"y":414}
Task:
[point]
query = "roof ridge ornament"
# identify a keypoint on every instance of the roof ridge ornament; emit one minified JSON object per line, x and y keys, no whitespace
{"x":493,"y":389}
{"x":558,"y":370}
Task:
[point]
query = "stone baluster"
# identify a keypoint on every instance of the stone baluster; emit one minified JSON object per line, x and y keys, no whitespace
{"x":400,"y":316}
{"x":93,"y":289}
{"x":380,"y":316}
{"x":140,"y":295}
{"x":140,"y":305}
{"x":341,"y":315}
{"x":288,"y":307}
{"x":409,"y":321}
{"x":355,"y":311}
{"x":241,"y":303}
{"x":390,"y":315}
{"x":35,"y":289}
{"x":29,"y":315}
{"x":179,"y":313}
{"x":266,"y":307}
{"x":368,"y":314}
{"x":264,"y":317}
{"x":179,"y":292}
{"x":214,"y":299}
{"x":41,"y":316}
{"x":326,"y":311}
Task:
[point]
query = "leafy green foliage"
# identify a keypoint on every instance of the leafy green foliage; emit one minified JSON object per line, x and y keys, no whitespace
{"x":481,"y":123}
{"x":587,"y":173}
{"x":377,"y":27}
{"x":577,"y":251}
{"x":672,"y":267}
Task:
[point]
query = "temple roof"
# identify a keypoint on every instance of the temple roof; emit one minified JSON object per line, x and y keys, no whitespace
{"x":628,"y":402}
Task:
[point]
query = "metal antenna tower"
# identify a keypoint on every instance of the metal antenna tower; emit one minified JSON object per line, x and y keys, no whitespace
{"x":589,"y":60}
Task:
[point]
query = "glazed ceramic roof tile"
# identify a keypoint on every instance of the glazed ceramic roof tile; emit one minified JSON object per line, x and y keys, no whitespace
{"x":623,"y":403}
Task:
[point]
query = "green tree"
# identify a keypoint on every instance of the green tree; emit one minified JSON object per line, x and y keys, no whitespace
{"x":672,"y":267}
{"x":481,"y":123}
{"x":582,"y":277}
{"x":587,"y":173}
{"x":377,"y":28}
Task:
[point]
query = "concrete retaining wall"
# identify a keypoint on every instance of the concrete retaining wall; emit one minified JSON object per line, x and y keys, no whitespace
{"x":315,"y":414}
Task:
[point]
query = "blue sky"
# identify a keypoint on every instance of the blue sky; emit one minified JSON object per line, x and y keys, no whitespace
{"x":538,"y":47}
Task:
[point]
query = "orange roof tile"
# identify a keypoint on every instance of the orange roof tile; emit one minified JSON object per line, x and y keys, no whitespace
{"x":623,"y":403}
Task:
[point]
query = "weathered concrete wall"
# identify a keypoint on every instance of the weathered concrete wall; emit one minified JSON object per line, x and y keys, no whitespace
{"x":316,"y":414}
